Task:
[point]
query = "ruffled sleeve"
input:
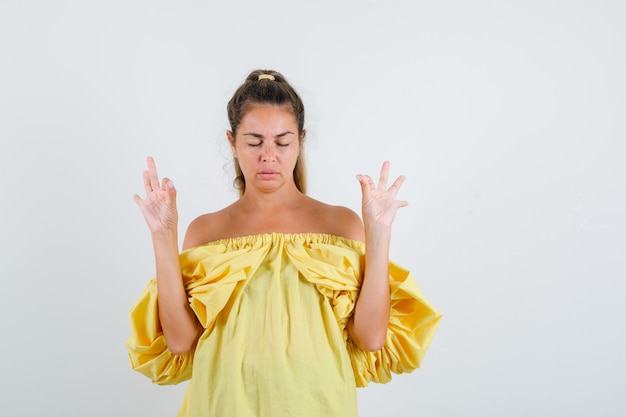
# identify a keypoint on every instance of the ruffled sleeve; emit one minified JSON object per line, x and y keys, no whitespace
{"x":146,"y":345}
{"x":211,"y":273}
{"x":335,"y":266}
{"x":412,"y":325}
{"x":214,"y":273}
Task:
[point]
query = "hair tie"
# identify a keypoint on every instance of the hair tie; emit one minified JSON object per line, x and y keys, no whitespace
{"x":266,"y":77}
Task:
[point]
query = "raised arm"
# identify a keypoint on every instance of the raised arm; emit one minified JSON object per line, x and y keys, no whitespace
{"x":180,"y":326}
{"x":368,"y":326}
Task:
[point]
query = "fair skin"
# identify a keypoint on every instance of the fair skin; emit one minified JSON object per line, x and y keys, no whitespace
{"x":266,"y":146}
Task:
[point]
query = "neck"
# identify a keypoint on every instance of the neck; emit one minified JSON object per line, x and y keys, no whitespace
{"x":270,"y":201}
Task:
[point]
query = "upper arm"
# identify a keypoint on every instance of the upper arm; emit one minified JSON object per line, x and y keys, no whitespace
{"x":199,"y":232}
{"x":348,"y":224}
{"x":190,"y":235}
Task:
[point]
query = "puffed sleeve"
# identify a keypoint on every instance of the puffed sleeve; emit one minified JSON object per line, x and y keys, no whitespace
{"x":146,"y":345}
{"x":412,"y":325}
{"x":335,"y":266}
{"x":210,"y":274}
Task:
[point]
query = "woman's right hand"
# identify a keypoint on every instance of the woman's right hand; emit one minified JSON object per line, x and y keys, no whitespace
{"x":159,"y":205}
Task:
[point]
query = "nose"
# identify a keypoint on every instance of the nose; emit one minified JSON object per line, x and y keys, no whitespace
{"x":268,"y":154}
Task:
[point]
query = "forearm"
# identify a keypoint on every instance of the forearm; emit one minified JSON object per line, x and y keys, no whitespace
{"x":178,"y":321}
{"x":369,"y":323}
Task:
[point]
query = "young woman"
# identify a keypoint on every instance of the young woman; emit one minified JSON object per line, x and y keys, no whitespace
{"x":279,"y":304}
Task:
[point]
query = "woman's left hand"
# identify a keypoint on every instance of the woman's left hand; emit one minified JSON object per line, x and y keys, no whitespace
{"x":379,"y":204}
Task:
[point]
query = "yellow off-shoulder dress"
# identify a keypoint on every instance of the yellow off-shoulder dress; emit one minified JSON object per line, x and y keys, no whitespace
{"x":275,"y":309}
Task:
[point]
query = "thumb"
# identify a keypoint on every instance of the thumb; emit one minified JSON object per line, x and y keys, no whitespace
{"x":137,"y":199}
{"x":363,"y":181}
{"x":169,"y":186}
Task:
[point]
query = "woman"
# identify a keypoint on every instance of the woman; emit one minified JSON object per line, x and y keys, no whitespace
{"x":275,"y":307}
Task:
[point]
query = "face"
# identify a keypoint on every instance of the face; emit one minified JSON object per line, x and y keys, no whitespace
{"x":267,"y":146}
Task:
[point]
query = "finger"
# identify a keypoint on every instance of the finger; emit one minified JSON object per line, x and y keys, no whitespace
{"x":146,"y":183}
{"x":395,"y":187}
{"x":384,"y":173}
{"x":361,"y":180}
{"x":402,"y":203}
{"x":366,"y":183}
{"x":138,"y":199}
{"x":152,"y":173}
{"x":169,"y":186}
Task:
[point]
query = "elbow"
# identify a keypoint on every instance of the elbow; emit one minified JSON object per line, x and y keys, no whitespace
{"x":183,"y":342}
{"x":181,"y":347}
{"x":372,"y":344}
{"x":178,"y":349}
{"x":369,"y":341}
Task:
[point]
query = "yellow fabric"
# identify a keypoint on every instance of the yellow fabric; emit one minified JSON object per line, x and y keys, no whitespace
{"x":275,"y":309}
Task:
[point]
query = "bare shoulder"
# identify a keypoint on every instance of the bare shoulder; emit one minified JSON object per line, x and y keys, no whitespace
{"x":341,"y":221}
{"x":349,"y":223}
{"x":309,"y":215}
{"x":203,"y":229}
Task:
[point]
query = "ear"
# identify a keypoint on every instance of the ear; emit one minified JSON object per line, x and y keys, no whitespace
{"x":231,"y":142}
{"x":302,"y":136}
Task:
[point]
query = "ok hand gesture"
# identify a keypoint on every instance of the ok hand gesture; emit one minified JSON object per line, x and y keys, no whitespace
{"x":379,"y":203}
{"x":159,"y":206}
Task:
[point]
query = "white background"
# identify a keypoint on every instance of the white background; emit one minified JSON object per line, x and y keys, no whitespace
{"x":506,"y":117}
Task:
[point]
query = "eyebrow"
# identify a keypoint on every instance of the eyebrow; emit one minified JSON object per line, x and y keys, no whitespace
{"x":260,"y":136}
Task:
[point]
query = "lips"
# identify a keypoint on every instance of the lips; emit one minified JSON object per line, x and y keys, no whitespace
{"x":268,"y":174}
